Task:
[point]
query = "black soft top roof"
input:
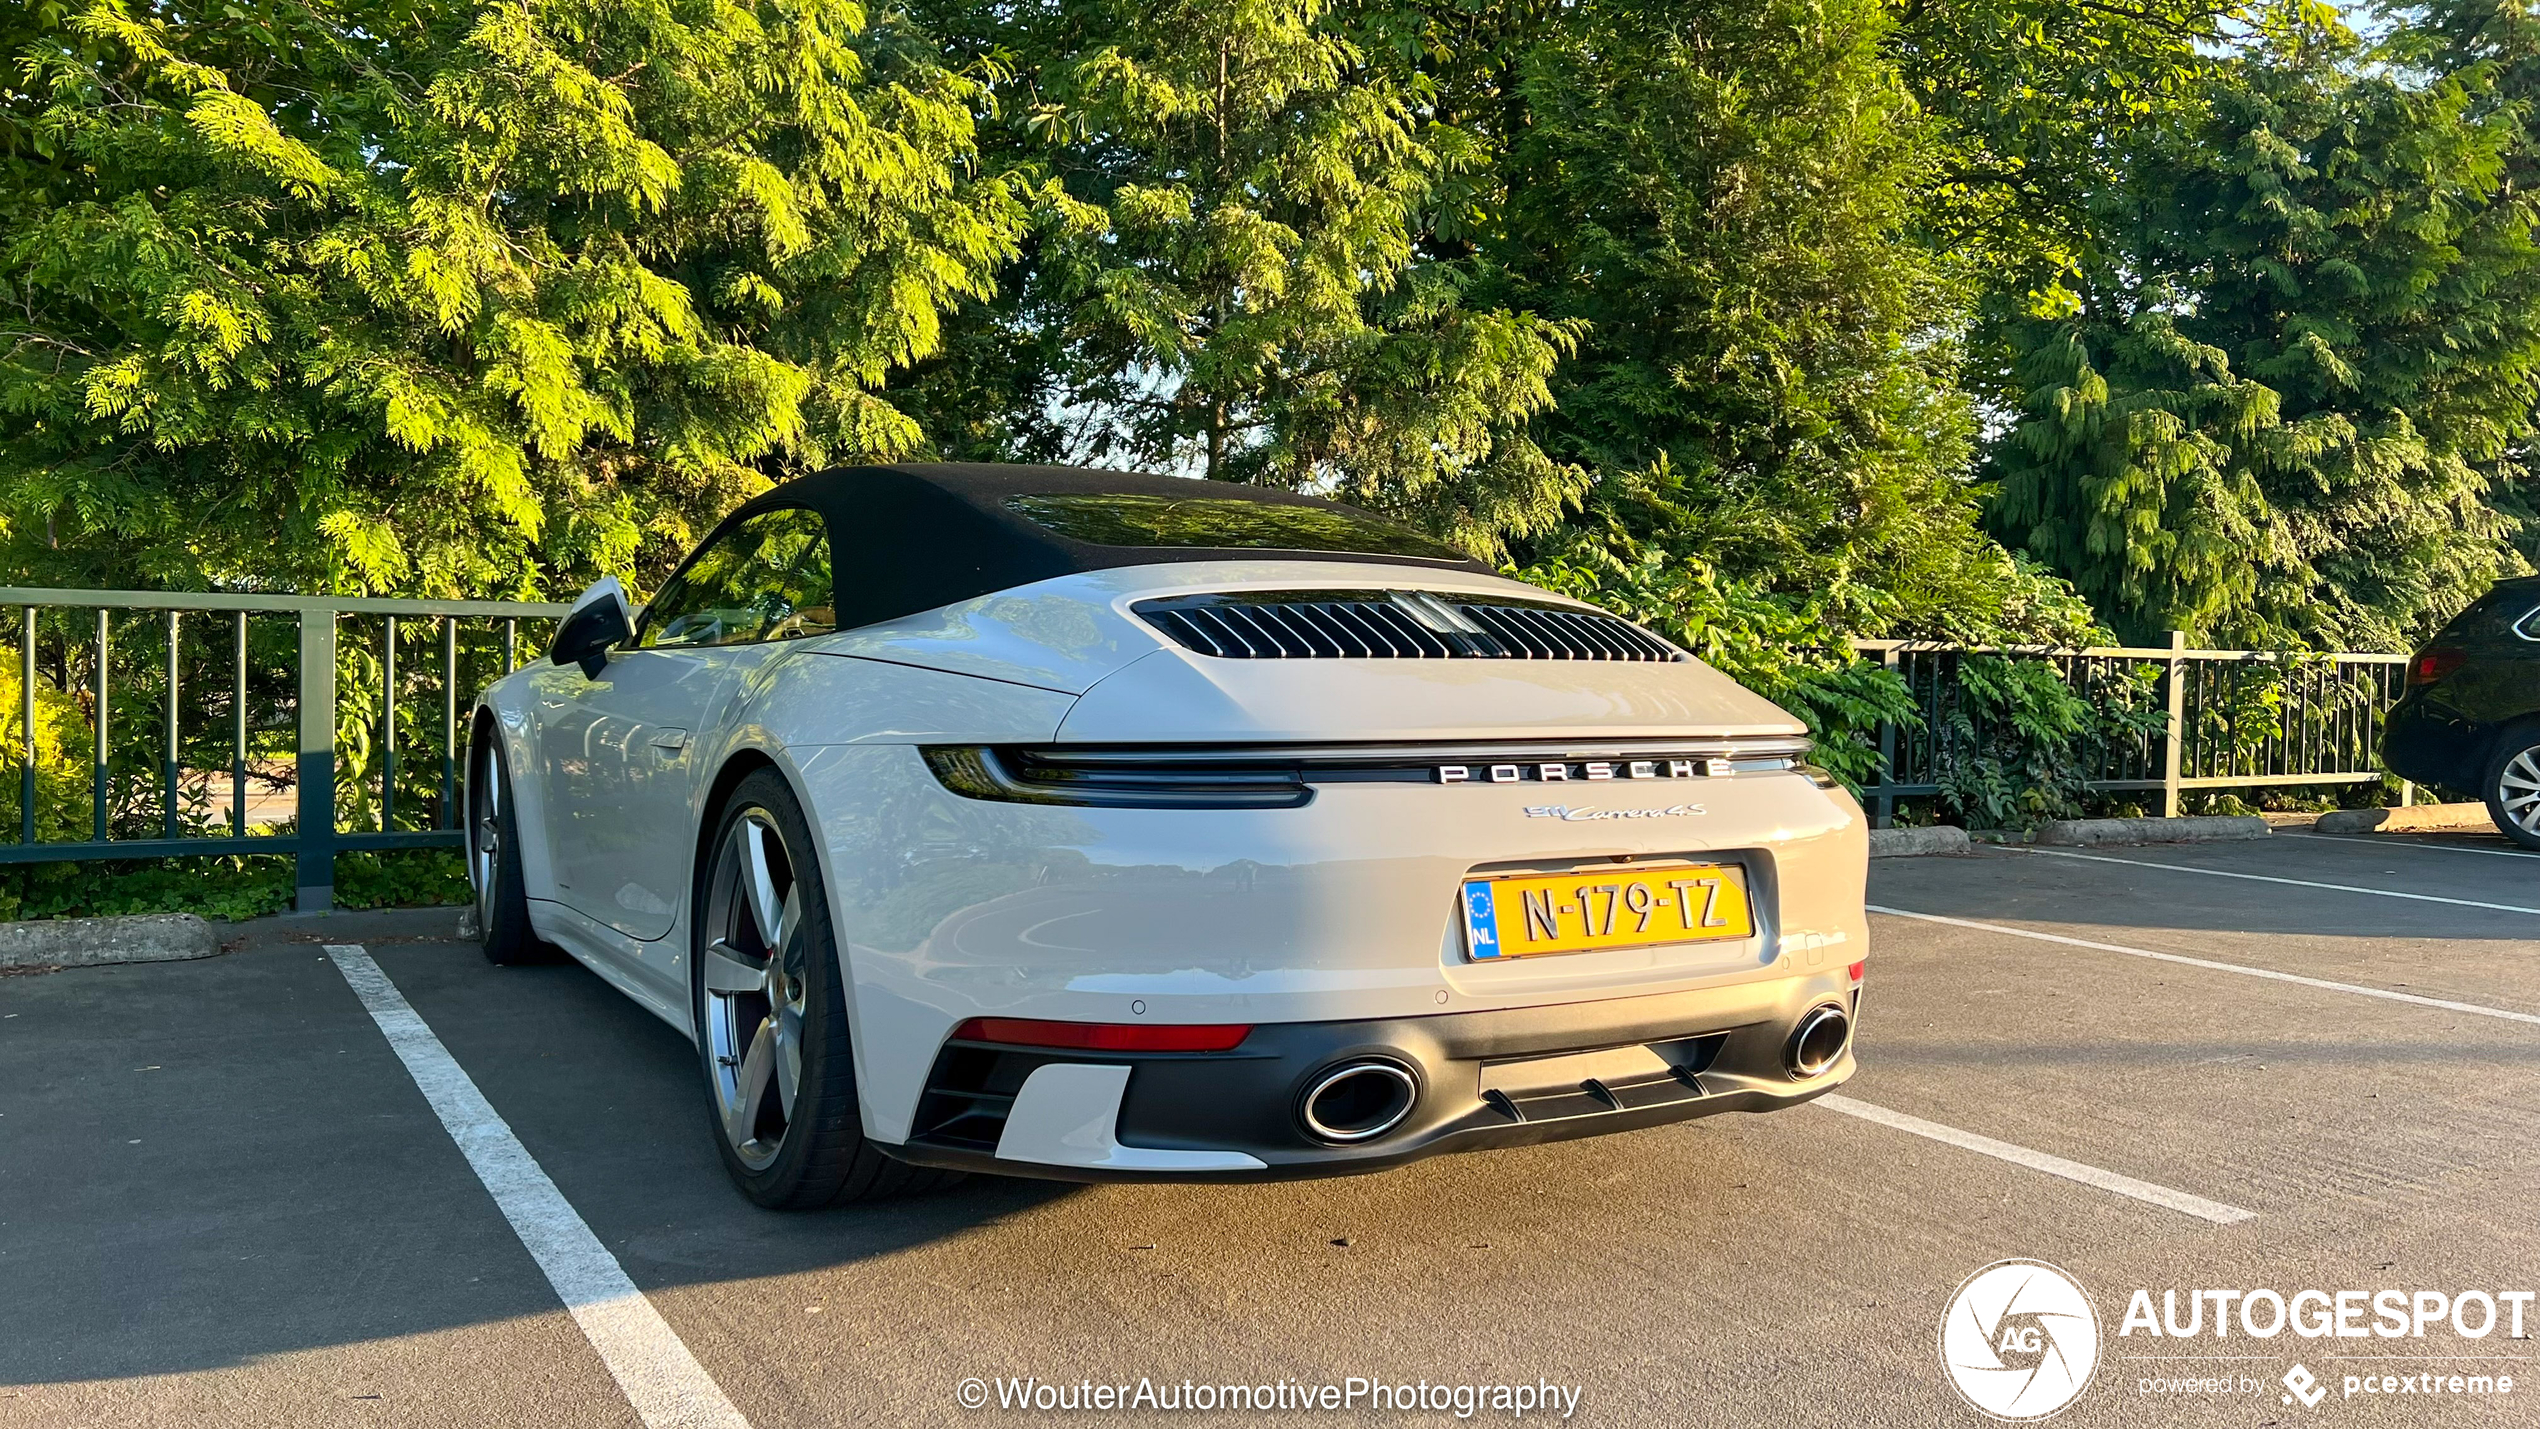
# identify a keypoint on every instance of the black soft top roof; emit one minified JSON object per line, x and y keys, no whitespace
{"x":915,"y":536}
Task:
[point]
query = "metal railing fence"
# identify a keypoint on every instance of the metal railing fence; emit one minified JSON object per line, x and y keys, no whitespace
{"x":338,"y":721}
{"x":286,"y":661}
{"x":2227,"y":719}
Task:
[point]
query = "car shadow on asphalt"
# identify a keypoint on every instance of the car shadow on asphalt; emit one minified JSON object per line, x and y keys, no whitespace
{"x":608,"y":1098}
{"x":206,"y":1164}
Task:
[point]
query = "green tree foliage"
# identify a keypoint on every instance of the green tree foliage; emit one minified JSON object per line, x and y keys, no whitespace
{"x":439,"y":297}
{"x":1722,"y":195}
{"x":2500,"y":37}
{"x":1223,"y":280}
{"x":2498,"y":43}
{"x":2031,"y":106}
{"x":2301,"y":369}
{"x":1743,"y":306}
{"x":1780,"y":648}
{"x":2015,"y":741}
{"x":62,"y":743}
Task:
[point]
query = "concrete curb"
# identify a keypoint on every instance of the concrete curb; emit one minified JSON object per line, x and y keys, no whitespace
{"x":2088,"y":833}
{"x":91,"y":942}
{"x":2416,"y":819}
{"x":1913,"y":843}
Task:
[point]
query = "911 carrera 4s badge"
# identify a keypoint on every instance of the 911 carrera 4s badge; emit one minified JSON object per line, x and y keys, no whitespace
{"x":1570,"y":814}
{"x":1535,"y":914}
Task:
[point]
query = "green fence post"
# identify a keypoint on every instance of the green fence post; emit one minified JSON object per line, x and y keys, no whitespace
{"x":168,"y":755}
{"x":102,"y":773}
{"x":26,"y":718}
{"x":317,"y":761}
{"x":2174,"y":730}
{"x":1883,"y":805}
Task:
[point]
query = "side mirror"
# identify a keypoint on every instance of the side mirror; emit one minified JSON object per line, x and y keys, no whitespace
{"x":600,"y":618}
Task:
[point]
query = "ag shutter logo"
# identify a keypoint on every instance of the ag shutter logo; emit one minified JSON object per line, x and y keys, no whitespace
{"x":2020,"y":1340}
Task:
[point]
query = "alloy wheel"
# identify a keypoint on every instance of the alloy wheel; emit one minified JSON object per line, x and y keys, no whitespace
{"x":755,"y":988}
{"x":2518,"y":790}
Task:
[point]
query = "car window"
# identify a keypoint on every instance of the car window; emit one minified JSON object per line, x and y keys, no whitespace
{"x":788,"y":581}
{"x":765,"y":579}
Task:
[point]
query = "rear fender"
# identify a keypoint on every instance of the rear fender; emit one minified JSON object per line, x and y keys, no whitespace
{"x":504,"y":717}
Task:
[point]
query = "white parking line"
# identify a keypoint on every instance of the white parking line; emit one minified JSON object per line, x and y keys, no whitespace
{"x":2144,"y":1191}
{"x":2403,"y":841}
{"x":664,"y":1382}
{"x":2291,"y":882}
{"x":2244,"y":970}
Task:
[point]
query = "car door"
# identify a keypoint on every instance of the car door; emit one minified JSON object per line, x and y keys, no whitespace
{"x":624,"y":752}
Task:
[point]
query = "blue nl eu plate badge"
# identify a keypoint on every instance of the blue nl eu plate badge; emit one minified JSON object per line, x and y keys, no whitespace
{"x":1481,"y":925}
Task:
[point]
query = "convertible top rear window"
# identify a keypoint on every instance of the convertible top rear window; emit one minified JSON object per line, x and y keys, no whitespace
{"x":917,"y":536}
{"x":1221,"y":523}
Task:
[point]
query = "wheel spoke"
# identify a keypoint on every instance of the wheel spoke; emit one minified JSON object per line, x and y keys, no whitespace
{"x":480,"y":859}
{"x":727,"y":972}
{"x":788,"y":922}
{"x":789,"y":1056}
{"x":758,"y":885}
{"x":757,"y":1069}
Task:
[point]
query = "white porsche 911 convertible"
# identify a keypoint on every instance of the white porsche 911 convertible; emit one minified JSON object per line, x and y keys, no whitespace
{"x":1100,"y":826}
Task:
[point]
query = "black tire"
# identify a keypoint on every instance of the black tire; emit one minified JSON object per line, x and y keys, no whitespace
{"x":2512,"y":787}
{"x":493,"y":862}
{"x":818,"y":1155}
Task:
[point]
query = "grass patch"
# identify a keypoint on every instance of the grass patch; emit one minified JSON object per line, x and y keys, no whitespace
{"x":228,"y":887}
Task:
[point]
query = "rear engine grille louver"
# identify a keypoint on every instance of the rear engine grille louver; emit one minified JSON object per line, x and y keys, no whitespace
{"x":1398,"y":625}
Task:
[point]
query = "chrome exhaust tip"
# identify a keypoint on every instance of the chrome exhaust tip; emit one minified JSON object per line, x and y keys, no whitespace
{"x":1358,"y":1101}
{"x":1818,"y":1042}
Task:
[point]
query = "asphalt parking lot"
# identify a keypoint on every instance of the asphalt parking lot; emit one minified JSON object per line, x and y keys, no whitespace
{"x":2303,"y":1062}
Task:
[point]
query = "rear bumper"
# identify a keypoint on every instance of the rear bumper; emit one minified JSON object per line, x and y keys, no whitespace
{"x":1236,"y":1116}
{"x":1345,"y":911}
{"x":2428,"y":743}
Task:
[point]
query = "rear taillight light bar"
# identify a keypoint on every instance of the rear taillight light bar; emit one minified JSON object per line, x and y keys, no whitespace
{"x":1016,"y":776}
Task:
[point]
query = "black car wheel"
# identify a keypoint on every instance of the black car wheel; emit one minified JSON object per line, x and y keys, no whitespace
{"x":771,"y":1017}
{"x":2512,"y":788}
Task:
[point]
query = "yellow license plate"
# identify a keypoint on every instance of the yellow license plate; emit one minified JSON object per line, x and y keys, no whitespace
{"x":1611,"y":908}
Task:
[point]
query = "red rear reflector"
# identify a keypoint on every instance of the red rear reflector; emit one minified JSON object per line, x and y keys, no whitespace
{"x":1103,"y":1036}
{"x":1856,"y":971}
{"x":2431,"y":665}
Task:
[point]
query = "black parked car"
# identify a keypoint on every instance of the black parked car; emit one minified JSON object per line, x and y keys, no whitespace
{"x":2471,"y":716}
